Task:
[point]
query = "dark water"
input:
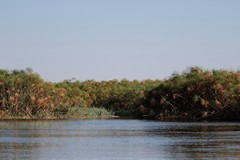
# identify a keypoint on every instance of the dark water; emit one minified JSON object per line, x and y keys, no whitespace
{"x":118,"y":139}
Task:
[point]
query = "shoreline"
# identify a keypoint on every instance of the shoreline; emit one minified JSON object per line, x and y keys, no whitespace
{"x":195,"y":95}
{"x":168,"y":119}
{"x":58,"y":118}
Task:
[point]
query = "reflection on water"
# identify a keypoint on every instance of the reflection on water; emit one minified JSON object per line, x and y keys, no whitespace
{"x":118,"y":139}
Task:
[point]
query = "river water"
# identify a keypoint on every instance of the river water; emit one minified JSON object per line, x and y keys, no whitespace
{"x":118,"y":139}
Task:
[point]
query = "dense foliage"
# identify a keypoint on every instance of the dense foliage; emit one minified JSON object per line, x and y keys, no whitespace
{"x":194,"y":95}
{"x":24,"y":94}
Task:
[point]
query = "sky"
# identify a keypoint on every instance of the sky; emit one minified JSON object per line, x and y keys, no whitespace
{"x":117,"y":39}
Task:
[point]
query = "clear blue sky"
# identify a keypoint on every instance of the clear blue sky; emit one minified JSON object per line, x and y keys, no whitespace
{"x":108,"y":39}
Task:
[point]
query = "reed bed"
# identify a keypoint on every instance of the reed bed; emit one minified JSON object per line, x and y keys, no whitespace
{"x":195,"y":94}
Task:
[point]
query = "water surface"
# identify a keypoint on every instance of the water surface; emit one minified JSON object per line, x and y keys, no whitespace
{"x":118,"y":139}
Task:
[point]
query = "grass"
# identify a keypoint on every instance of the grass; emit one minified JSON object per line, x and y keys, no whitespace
{"x":91,"y":112}
{"x":71,"y":113}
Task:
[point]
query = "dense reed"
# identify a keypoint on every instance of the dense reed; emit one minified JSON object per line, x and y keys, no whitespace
{"x":196,"y":94}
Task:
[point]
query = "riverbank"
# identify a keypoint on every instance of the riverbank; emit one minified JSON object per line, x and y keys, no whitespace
{"x":58,"y":118}
{"x":194,"y":95}
{"x":74,"y":114}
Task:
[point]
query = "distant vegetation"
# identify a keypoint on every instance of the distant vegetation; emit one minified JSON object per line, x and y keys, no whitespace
{"x":194,"y":95}
{"x":24,"y":94}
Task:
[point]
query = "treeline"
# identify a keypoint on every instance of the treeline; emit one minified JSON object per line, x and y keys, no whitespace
{"x":196,"y":94}
{"x":24,"y":94}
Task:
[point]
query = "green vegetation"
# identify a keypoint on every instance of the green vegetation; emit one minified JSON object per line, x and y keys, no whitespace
{"x":194,"y":95}
{"x":24,"y":94}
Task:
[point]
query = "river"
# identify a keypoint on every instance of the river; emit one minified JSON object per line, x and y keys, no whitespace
{"x":118,"y":139}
